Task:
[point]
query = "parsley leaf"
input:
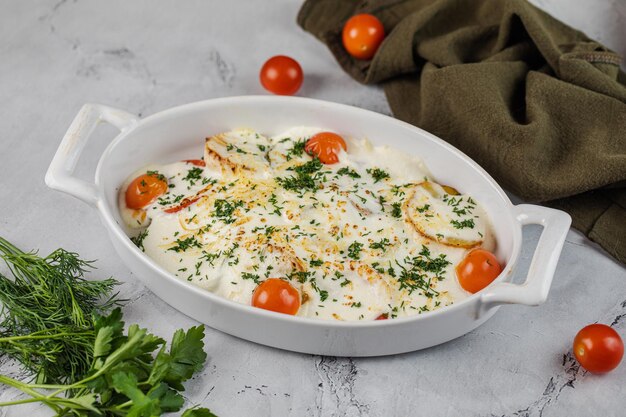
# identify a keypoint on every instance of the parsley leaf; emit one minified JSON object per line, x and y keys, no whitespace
{"x":125,"y":376}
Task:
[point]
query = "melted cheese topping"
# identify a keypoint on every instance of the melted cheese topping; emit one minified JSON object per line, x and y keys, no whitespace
{"x":371,"y":235}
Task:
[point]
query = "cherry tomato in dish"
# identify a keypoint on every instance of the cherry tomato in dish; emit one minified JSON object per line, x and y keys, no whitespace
{"x":477,"y":270}
{"x":185,"y":203}
{"x":362,"y":35}
{"x":326,"y":146}
{"x":275,"y":294}
{"x":196,"y":162}
{"x":281,"y":75}
{"x":598,"y":348}
{"x":144,"y":189}
{"x":383,"y":316}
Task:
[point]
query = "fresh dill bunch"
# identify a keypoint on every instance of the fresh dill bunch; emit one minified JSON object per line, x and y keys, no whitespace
{"x":47,"y":308}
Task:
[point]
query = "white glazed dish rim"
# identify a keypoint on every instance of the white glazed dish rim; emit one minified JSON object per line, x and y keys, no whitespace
{"x":59,"y":177}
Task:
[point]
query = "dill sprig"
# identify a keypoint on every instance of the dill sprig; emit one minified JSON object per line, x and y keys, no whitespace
{"x":47,"y":308}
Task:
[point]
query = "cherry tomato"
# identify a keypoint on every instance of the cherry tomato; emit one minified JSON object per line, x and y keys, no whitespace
{"x":598,"y":348}
{"x":275,"y":294}
{"x":477,"y":270}
{"x":326,"y":146}
{"x":196,"y":162}
{"x":281,"y":75}
{"x":383,"y":316}
{"x":144,"y":189}
{"x":185,"y":203}
{"x":362,"y":35}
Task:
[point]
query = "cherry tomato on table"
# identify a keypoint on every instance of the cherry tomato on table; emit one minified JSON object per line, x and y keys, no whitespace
{"x":275,"y":294}
{"x":144,"y":189}
{"x":281,"y":75}
{"x":477,"y":270}
{"x":598,"y":348}
{"x":326,"y":146}
{"x":362,"y":35}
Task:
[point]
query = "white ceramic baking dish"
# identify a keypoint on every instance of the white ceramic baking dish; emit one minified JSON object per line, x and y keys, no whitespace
{"x":179,"y":133}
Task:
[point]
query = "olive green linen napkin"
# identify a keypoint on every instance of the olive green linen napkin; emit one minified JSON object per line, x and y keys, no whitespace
{"x":538,"y":104}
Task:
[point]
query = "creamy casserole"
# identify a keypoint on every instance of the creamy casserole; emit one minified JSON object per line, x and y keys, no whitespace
{"x":371,"y":236}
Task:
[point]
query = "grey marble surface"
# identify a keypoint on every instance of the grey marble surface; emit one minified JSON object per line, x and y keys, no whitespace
{"x":145,"y":56}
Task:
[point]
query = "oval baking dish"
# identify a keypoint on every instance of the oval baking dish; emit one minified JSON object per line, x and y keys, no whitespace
{"x":176,"y":134}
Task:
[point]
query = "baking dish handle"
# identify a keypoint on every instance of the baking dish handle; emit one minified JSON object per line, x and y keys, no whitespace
{"x":534,"y":290}
{"x":59,"y":175}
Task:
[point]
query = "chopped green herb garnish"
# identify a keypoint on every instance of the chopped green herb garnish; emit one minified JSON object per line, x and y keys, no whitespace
{"x":224,"y":209}
{"x":349,"y":172}
{"x":354,"y":250}
{"x":382,"y":244}
{"x":193,"y":175}
{"x":465,"y":224}
{"x":296,"y":150}
{"x":300,"y":276}
{"x":157,"y":175}
{"x":250,"y":276}
{"x":422,"y":209}
{"x":138,"y":240}
{"x":323,"y":293}
{"x":316,"y":262}
{"x":274,"y":202}
{"x":396,"y":210}
{"x":183,"y":244}
{"x":378,"y":174}
{"x":306,"y":177}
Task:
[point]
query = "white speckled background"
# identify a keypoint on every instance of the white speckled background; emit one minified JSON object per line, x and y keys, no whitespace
{"x":145,"y":56}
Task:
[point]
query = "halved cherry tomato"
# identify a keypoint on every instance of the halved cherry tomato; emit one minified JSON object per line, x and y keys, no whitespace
{"x":477,"y":270}
{"x":383,"y":316}
{"x":326,"y":146}
{"x":144,"y":189}
{"x":598,"y":348}
{"x":196,"y":162}
{"x":362,"y":35}
{"x":185,"y":203}
{"x":277,"y":295}
{"x":281,"y":75}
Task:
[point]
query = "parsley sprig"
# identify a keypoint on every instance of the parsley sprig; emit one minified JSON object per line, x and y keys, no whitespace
{"x":126,"y":377}
{"x":55,"y":323}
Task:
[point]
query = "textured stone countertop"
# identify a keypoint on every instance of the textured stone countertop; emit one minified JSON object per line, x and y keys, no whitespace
{"x":145,"y":56}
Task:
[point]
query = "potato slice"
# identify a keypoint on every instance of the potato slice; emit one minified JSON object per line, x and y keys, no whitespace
{"x":441,"y":214}
{"x":239,"y":151}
